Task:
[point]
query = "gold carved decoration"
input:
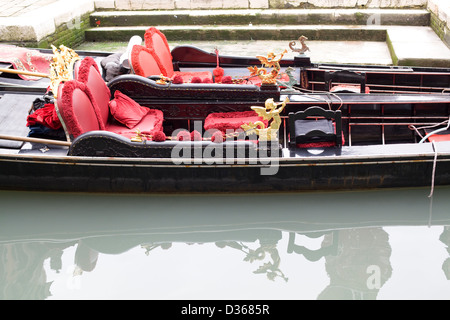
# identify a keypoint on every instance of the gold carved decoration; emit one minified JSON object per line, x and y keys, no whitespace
{"x":61,"y":69}
{"x":271,"y":113}
{"x":271,"y":61}
{"x":163,"y":80}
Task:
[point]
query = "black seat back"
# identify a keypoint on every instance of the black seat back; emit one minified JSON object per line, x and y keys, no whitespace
{"x":345,"y":76}
{"x":315,"y":125}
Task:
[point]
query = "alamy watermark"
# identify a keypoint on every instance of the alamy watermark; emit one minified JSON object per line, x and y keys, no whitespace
{"x":374,"y":280}
{"x":229,"y":151}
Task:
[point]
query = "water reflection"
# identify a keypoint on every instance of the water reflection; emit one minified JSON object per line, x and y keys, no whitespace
{"x":268,"y":233}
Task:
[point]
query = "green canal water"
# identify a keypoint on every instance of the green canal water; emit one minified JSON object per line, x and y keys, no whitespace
{"x":379,"y":244}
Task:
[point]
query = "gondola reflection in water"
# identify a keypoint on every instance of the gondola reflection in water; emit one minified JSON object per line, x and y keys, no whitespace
{"x":337,"y":245}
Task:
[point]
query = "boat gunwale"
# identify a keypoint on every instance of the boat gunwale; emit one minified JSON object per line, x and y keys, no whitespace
{"x":316,"y":160}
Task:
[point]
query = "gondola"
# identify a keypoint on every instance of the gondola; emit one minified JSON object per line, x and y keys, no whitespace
{"x":169,"y":125}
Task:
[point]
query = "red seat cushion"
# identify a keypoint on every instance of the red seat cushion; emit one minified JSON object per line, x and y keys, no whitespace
{"x":156,"y":41}
{"x":126,"y":110}
{"x":89,"y":73}
{"x":151,"y":123}
{"x":439,"y":136}
{"x":129,"y":117}
{"x":145,"y":62}
{"x":231,"y":120}
{"x":78,"y":109}
{"x":81,"y":114}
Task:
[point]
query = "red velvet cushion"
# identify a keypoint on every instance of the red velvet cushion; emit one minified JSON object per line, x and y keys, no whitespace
{"x":156,"y":40}
{"x":231,"y":120}
{"x":78,"y":109}
{"x":188,"y":76}
{"x":151,"y":123}
{"x":89,"y":73}
{"x":145,"y":62}
{"x":126,"y":110}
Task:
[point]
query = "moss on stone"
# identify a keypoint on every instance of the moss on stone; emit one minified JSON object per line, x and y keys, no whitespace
{"x":391,"y":50}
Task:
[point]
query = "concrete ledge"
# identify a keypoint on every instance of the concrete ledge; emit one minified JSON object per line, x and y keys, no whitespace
{"x":35,"y":26}
{"x":417,"y":46}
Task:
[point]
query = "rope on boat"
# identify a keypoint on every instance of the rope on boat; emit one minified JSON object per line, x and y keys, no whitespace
{"x":436,"y":131}
{"x":412,"y":127}
{"x":324,"y":100}
{"x":433,"y":174}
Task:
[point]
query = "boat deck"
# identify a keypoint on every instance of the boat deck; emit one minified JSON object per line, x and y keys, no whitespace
{"x":388,"y":116}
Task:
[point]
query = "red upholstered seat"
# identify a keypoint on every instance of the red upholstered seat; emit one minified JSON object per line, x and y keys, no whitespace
{"x":78,"y":109}
{"x":156,"y":41}
{"x":84,"y":105}
{"x":231,"y":120}
{"x":145,"y":62}
{"x":89,"y":74}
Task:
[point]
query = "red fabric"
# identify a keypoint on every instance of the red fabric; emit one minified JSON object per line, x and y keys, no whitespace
{"x":349,"y":87}
{"x":227,"y":80}
{"x":26,"y":60}
{"x":196,"y":136}
{"x":145,"y":62}
{"x":89,"y":74}
{"x":79,"y":109}
{"x":218,"y":72}
{"x":316,"y":144}
{"x":126,"y":110}
{"x":321,"y":144}
{"x":159,"y":136}
{"x":156,"y":43}
{"x":177,"y":79}
{"x":439,"y":137}
{"x":231,"y":120}
{"x":188,"y":77}
{"x":81,"y":114}
{"x":85,"y":67}
{"x":46,"y":116}
{"x":217,"y":137}
{"x":150,"y":124}
{"x":183,"y":136}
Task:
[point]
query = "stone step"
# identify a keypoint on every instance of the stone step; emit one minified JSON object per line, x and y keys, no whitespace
{"x":417,"y":46}
{"x":408,"y":46}
{"x":412,"y":17}
{"x":244,"y":32}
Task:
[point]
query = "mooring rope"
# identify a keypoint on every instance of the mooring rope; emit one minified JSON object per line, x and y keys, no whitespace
{"x":433,"y":174}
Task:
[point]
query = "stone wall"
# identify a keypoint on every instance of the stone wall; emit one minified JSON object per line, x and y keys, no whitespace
{"x":440,"y":19}
{"x":347,"y":3}
{"x":253,"y":4}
